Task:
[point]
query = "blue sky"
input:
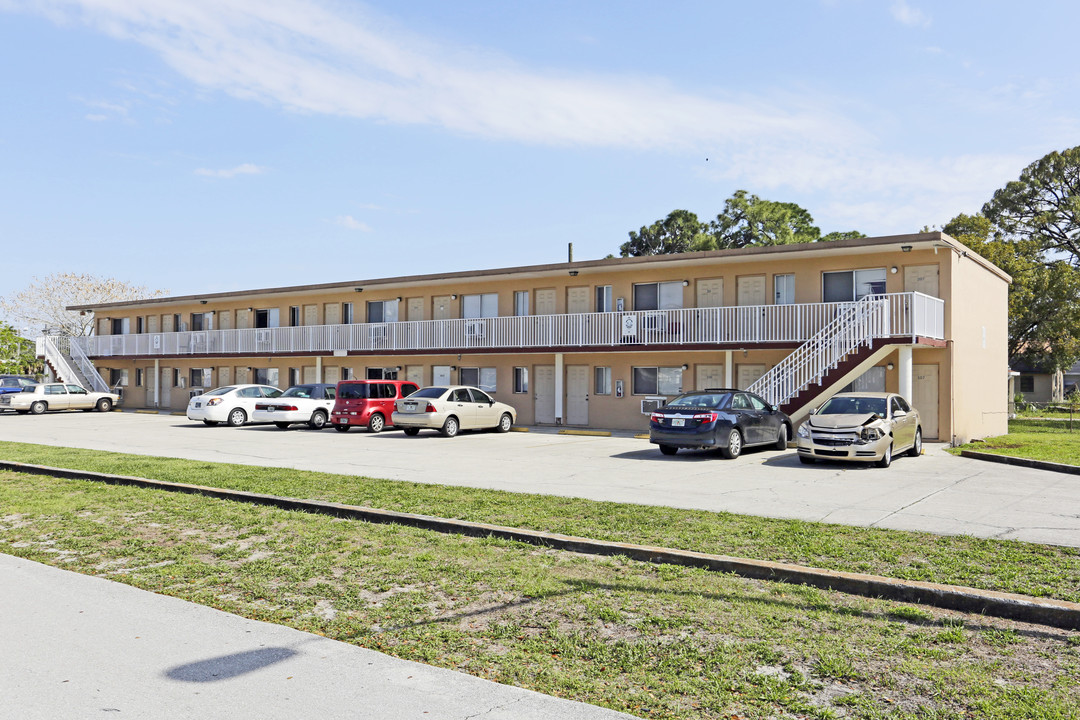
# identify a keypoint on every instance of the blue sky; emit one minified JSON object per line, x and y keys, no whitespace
{"x":209,"y":145}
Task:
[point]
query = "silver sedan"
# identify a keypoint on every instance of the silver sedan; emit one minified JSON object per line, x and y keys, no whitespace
{"x":36,"y":399}
{"x":450,"y":409}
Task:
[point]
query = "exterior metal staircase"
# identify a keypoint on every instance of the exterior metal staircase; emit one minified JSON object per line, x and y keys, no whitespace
{"x":69,"y":363}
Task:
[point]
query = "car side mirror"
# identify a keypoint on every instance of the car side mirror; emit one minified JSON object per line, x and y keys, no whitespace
{"x":899,"y":414}
{"x":491,"y":401}
{"x":813,"y":411}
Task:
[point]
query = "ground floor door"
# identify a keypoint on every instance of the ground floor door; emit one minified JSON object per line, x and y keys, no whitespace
{"x":708,"y":376}
{"x":577,"y":394}
{"x":924,"y":398}
{"x":748,"y":374}
{"x":545,"y":394}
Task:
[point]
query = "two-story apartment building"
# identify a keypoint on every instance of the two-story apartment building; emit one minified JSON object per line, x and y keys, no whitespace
{"x":598,"y":343}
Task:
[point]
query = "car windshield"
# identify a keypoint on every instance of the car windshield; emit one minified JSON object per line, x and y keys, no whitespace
{"x":854,"y":406}
{"x":705,"y":400}
{"x":221,"y":391}
{"x":431,"y":392}
{"x":299,"y":391}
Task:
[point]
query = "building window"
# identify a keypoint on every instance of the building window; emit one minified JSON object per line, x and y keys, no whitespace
{"x":118,"y":378}
{"x":294,"y":316}
{"x":200,"y":377}
{"x":852,"y":285}
{"x":121,"y":326}
{"x":267,"y":318}
{"x":202,"y":321}
{"x":346,"y":313}
{"x":783,"y":289}
{"x":483,"y":378}
{"x":603,"y":381}
{"x":604,"y":299}
{"x":382,"y":373}
{"x":178,"y":326}
{"x":140,"y":327}
{"x":1027,"y":383}
{"x":658,"y":296}
{"x":138,"y":377}
{"x":346,"y":373}
{"x":521,"y":380}
{"x":294,"y":376}
{"x":521,"y":302}
{"x":176,"y":378}
{"x":266,"y":376}
{"x":380,"y":311}
{"x":657,"y":380}
{"x":480,"y":306}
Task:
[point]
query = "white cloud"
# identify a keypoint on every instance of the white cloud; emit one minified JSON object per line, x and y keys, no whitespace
{"x":94,"y":117}
{"x":908,"y":15}
{"x":351,"y":223}
{"x":245,"y":169}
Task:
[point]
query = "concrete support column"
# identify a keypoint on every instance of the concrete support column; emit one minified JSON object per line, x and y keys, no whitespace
{"x":729,"y":371}
{"x":157,"y":382}
{"x":559,"y":391}
{"x":906,"y":372}
{"x":318,"y":368}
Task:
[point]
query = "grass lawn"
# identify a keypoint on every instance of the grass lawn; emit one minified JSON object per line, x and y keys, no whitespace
{"x":649,"y":640}
{"x":1034,"y":438}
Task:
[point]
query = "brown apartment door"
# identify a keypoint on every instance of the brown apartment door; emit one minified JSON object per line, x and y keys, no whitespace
{"x":414,"y":309}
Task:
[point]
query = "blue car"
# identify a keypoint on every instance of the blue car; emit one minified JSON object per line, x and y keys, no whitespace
{"x":15,"y":383}
{"x":726,"y":419}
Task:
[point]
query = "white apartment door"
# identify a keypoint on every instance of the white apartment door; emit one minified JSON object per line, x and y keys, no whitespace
{"x":414,"y":308}
{"x":332,"y":314}
{"x":415,"y":374}
{"x":311,"y":314}
{"x":748,"y":374}
{"x":441,"y":307}
{"x":545,"y":394}
{"x":751,"y":289}
{"x":165,"y":396}
{"x":309,"y":374}
{"x":224,"y":319}
{"x":709,"y":376}
{"x":151,"y":323}
{"x":440,"y":375}
{"x":331,"y":374}
{"x":710,"y":292}
{"x":924,"y":398}
{"x":577,"y":300}
{"x":577,"y":394}
{"x":545,"y":301}
{"x":223,"y":374}
{"x":243,"y":319}
{"x":921,"y":278}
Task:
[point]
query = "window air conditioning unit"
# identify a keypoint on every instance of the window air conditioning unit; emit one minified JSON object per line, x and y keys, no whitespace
{"x":194,"y":393}
{"x":651,"y":404}
{"x":475,"y":328}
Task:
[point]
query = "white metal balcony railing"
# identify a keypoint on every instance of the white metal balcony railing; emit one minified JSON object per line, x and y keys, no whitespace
{"x":905,"y":315}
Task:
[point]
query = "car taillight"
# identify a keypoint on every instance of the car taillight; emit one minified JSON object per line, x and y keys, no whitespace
{"x":288,"y":408}
{"x":261,"y":406}
{"x":430,"y":408}
{"x":707,"y":417}
{"x":656,"y":417}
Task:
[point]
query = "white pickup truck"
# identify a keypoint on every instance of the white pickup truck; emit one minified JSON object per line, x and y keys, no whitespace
{"x":310,"y":403}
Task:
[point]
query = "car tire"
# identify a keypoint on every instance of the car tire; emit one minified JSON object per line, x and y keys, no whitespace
{"x":505,"y":423}
{"x":450,"y":427}
{"x":38,"y":407}
{"x":318,"y":420}
{"x":376,"y":423}
{"x":343,"y":428}
{"x":210,"y":423}
{"x":781,"y":437}
{"x":103,"y":405}
{"x":916,"y":447}
{"x":237,"y":417}
{"x":282,"y":425}
{"x":806,"y":460}
{"x":668,"y":449}
{"x":733,"y":443}
{"x":411,"y":432}
{"x":886,"y":459}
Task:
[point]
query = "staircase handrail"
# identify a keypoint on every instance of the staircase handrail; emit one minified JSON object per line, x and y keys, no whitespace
{"x":852,"y":328}
{"x":78,"y":354}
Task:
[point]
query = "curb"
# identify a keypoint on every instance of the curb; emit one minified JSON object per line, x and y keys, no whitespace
{"x":1041,"y":611}
{"x":1022,"y":462}
{"x":590,"y":433}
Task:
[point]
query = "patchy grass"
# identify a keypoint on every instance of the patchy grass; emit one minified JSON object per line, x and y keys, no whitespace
{"x":1034,"y":439}
{"x":1002,"y":565}
{"x":653,"y":641}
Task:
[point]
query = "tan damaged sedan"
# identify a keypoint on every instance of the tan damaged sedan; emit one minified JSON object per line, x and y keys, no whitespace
{"x":451,"y":408}
{"x":864,"y":427}
{"x":58,"y":396}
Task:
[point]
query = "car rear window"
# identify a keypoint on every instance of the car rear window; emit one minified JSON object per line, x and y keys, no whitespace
{"x":705,"y":400}
{"x":300,"y":391}
{"x":431,"y":392}
{"x":221,"y":391}
{"x":353,"y":391}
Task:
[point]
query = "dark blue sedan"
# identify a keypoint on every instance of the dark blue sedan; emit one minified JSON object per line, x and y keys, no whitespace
{"x":725,"y":419}
{"x":15,"y":383}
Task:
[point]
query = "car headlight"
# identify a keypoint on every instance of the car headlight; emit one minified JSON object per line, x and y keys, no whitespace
{"x":803,"y":431}
{"x":870,"y":434}
{"x":213,"y":401}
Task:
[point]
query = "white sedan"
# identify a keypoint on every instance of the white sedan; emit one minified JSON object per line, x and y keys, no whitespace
{"x":309,"y":404}
{"x":232,"y":404}
{"x":449,"y":409}
{"x":36,"y":399}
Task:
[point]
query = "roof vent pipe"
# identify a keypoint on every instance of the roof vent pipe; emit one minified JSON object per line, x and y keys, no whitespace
{"x":569,"y":252}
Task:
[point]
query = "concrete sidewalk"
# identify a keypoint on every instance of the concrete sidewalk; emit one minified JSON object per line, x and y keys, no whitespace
{"x":75,"y":646}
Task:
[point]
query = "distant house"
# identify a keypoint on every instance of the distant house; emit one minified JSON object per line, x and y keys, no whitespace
{"x":1037,"y":385}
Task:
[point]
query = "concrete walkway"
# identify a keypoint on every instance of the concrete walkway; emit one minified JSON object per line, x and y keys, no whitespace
{"x":75,"y":646}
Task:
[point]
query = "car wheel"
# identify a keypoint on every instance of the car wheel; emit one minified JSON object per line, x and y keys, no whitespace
{"x":282,"y":425}
{"x":343,"y":428}
{"x":505,"y":422}
{"x":886,"y":459}
{"x":916,"y":448}
{"x":318,"y":420}
{"x":806,"y":460}
{"x":103,"y":405}
{"x":781,"y":438}
{"x":211,"y":423}
{"x":450,"y":427}
{"x":668,"y":449}
{"x":38,"y":407}
{"x":376,"y":423}
{"x":237,"y":417}
{"x":732,"y":447}
{"x":411,"y":432}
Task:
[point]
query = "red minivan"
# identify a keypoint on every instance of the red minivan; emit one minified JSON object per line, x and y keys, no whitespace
{"x":367,"y":403}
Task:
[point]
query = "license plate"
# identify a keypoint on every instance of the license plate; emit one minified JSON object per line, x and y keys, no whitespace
{"x":410,"y":406}
{"x":677,"y":422}
{"x":343,"y":421}
{"x":271,"y":408}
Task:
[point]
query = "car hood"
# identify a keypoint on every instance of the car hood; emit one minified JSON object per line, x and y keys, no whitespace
{"x":830,"y":422}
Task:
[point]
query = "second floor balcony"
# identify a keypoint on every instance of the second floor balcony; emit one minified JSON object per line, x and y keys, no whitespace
{"x":904,"y":316}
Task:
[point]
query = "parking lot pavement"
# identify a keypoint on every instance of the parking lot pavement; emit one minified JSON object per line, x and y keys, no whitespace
{"x":936,"y":492}
{"x":76,"y":646}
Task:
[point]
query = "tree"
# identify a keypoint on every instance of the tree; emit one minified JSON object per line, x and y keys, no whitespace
{"x":17,"y":354}
{"x":43,"y":304}
{"x":1044,"y":297}
{"x":1043,"y":206}
{"x":679,"y":232}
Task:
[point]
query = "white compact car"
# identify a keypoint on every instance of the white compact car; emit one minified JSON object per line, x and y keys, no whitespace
{"x":311,"y":404}
{"x":450,"y":409}
{"x":232,"y":404}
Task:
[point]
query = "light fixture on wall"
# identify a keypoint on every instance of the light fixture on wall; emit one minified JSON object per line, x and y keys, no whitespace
{"x":573,"y":273}
{"x":453,"y":368}
{"x":399,"y":298}
{"x":358,"y":289}
{"x":894,"y":269}
{"x":202,"y":302}
{"x":685,"y":366}
{"x":397,"y":369}
{"x":686,"y":283}
{"x":890,"y":366}
{"x":905,"y":248}
{"x":453,"y":297}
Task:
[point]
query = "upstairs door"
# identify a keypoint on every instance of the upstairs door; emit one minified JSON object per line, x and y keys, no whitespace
{"x":441,"y":307}
{"x":921,"y":278}
{"x":545,"y":301}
